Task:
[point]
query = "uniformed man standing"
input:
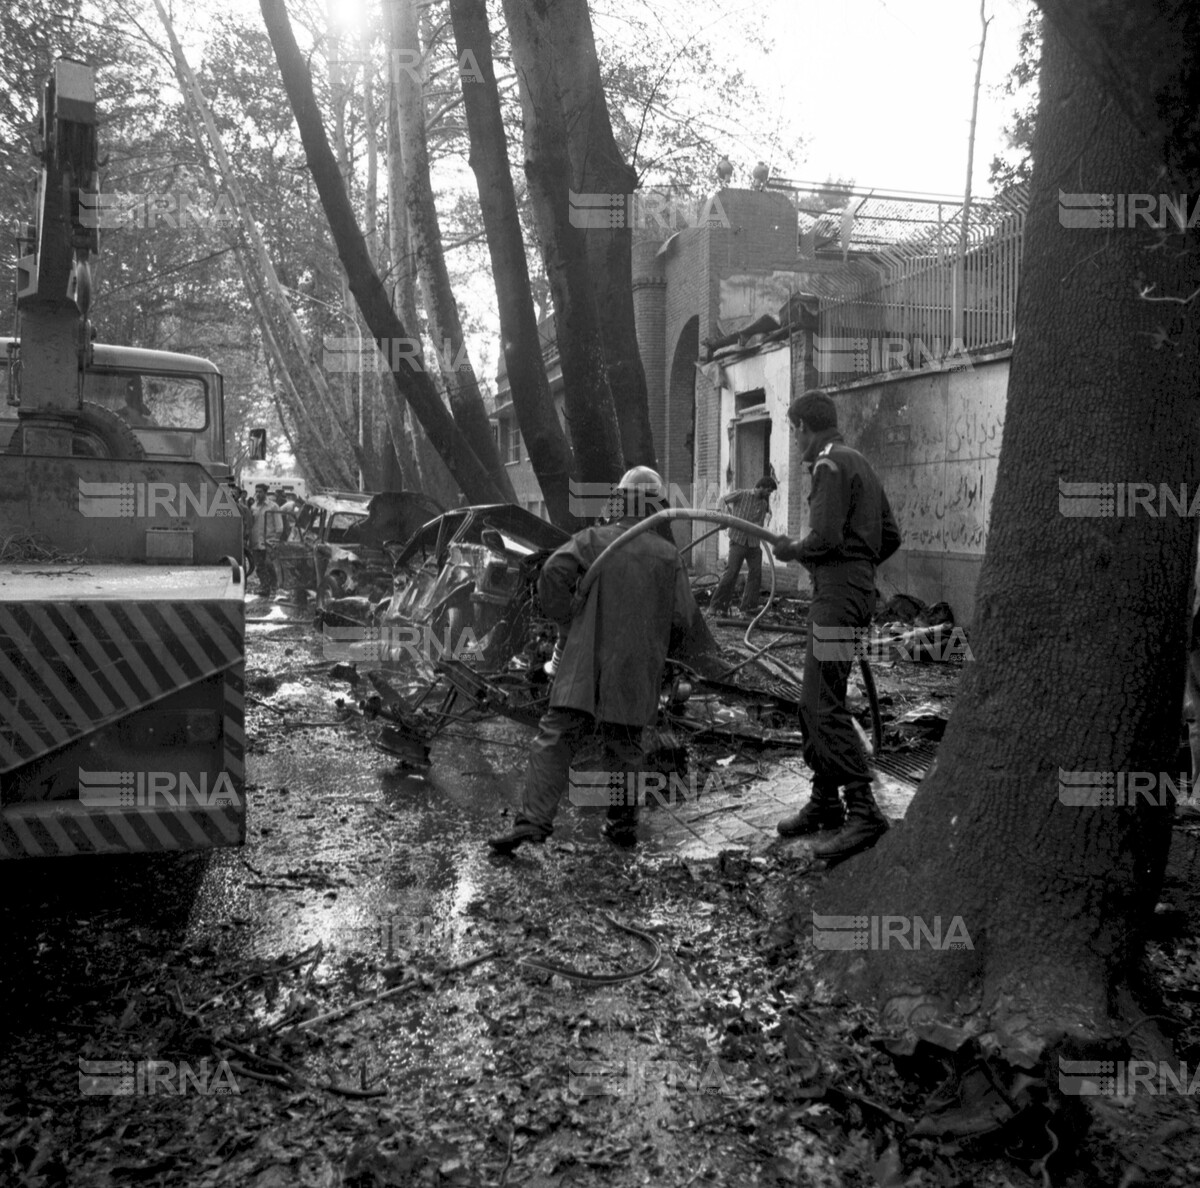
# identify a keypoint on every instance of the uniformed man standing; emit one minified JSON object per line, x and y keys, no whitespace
{"x":609,"y":677}
{"x":851,"y":531}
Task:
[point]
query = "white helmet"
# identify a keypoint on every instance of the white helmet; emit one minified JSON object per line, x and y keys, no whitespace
{"x":648,"y":483}
{"x":640,"y":492}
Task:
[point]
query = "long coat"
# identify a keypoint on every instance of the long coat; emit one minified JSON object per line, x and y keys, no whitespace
{"x":616,"y":645}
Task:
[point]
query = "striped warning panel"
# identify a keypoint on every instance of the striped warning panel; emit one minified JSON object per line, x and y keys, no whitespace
{"x":63,"y":828}
{"x":235,"y":740}
{"x":69,"y":668}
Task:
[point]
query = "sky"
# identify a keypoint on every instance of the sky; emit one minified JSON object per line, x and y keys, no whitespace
{"x":882,"y":88}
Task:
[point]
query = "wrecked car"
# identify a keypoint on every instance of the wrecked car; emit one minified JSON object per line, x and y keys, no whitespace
{"x":465,"y":606}
{"x":336,"y":550}
{"x":468,"y":580}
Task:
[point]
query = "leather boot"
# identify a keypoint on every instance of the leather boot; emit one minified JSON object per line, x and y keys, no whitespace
{"x":865,"y":825}
{"x":522,"y":831}
{"x":822,"y":812}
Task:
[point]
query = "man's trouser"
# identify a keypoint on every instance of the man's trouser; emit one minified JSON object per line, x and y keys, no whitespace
{"x":562,"y":735}
{"x":843,"y":598}
{"x":752,"y":555}
{"x":264,"y":569}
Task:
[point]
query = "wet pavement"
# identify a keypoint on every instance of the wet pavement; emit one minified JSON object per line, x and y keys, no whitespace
{"x":383,"y":870}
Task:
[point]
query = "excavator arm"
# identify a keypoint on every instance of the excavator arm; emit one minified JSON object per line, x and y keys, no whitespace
{"x":54,"y":267}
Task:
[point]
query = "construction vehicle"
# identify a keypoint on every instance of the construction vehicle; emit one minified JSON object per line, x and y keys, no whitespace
{"x":122,"y":621}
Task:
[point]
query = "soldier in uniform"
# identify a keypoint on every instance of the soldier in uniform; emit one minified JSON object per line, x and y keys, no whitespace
{"x":609,"y":676}
{"x":851,"y":531}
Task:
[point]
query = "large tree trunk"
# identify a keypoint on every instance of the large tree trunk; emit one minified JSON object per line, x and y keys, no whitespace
{"x":432,"y":476}
{"x":599,"y":167}
{"x":1146,"y":55}
{"x":445,"y":328}
{"x":376,"y":440}
{"x":402,"y":272}
{"x":1081,"y":627}
{"x":591,"y":415}
{"x":549,"y":452}
{"x":474,"y":480}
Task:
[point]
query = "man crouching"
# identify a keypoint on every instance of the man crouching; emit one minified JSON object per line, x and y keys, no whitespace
{"x":609,"y":677}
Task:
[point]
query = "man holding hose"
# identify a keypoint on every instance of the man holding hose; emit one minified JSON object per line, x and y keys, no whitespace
{"x":851,"y":531}
{"x":609,"y":676}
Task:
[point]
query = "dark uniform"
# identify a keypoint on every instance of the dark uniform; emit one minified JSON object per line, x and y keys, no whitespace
{"x":851,"y":531}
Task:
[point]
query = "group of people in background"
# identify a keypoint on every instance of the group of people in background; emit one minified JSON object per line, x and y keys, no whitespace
{"x":266,"y":521}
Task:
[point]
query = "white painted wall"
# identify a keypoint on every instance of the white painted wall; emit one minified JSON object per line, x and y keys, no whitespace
{"x":769,"y":369}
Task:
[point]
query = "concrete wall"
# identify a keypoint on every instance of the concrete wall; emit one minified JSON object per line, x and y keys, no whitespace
{"x":933,"y":436}
{"x":769,"y":369}
{"x":934,"y":439}
{"x":719,"y":277}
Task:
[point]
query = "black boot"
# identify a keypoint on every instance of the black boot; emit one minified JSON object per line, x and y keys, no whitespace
{"x":522,"y":831}
{"x":823,"y":811}
{"x":620,"y":826}
{"x":865,"y":825}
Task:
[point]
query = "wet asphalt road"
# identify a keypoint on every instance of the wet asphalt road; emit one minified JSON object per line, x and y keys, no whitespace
{"x":346,"y":850}
{"x":369,"y":853}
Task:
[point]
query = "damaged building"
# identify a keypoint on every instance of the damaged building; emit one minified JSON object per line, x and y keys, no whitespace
{"x":885,"y":302}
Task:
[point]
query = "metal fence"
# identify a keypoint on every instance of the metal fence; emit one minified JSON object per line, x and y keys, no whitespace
{"x":916,"y":292}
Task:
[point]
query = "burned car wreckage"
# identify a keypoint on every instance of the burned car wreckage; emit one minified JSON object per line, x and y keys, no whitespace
{"x":463,"y":635}
{"x":335,"y":549}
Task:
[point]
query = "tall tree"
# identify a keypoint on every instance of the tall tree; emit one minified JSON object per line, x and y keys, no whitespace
{"x":1145,"y":56}
{"x":549,"y":453}
{"x":598,"y":166}
{"x":445,"y":326}
{"x":591,"y":414}
{"x":387,"y":329}
{"x":266,"y":275}
{"x":1081,"y":623}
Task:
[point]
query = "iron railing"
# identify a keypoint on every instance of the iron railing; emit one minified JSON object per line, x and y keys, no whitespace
{"x":920,"y":294}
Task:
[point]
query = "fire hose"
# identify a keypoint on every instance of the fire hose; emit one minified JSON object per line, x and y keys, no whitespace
{"x":663,"y":517}
{"x":724,"y":520}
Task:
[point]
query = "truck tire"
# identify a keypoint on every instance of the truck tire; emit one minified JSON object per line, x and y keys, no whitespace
{"x":98,"y":433}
